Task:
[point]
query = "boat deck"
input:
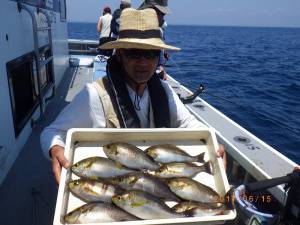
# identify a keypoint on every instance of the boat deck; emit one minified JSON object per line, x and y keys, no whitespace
{"x":28,"y":194}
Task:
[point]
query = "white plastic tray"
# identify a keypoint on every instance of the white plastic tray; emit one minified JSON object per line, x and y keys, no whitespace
{"x":84,"y":143}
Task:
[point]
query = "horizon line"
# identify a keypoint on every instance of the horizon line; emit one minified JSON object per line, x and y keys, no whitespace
{"x":212,"y":25}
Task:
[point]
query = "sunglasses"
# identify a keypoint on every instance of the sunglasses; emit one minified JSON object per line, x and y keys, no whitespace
{"x":139,"y":53}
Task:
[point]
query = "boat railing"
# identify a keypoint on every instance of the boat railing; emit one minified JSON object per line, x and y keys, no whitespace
{"x":79,"y":47}
{"x":40,"y":63}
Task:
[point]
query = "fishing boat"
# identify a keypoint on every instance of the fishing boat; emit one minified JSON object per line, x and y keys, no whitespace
{"x":42,"y":70}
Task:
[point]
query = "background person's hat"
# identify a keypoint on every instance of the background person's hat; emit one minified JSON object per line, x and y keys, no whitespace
{"x":161,"y":5}
{"x":106,"y":9}
{"x":138,"y":29}
{"x":126,"y":2}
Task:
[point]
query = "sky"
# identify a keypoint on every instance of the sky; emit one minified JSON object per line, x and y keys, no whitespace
{"x":263,"y":13}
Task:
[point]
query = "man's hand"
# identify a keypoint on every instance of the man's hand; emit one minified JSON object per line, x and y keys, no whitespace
{"x":58,"y":161}
{"x":166,"y":56}
{"x":162,"y":73}
{"x":221,"y":153}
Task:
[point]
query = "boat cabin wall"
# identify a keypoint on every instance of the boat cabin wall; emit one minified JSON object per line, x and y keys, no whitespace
{"x":16,"y":44}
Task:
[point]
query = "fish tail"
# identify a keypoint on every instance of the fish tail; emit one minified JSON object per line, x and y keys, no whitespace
{"x":189,"y":212}
{"x":208,"y":168}
{"x":229,"y":199}
{"x":200,"y":157}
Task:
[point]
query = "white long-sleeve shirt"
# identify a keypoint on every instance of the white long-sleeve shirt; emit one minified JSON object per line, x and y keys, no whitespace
{"x":86,"y":111}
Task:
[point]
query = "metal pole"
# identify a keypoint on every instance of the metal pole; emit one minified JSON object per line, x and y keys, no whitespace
{"x":36,"y":51}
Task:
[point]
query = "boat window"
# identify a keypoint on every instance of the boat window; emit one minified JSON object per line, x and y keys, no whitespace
{"x":63,"y":11}
{"x":23,"y":85}
{"x":22,"y":94}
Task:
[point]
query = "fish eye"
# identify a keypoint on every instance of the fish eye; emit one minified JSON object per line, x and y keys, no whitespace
{"x":118,"y":197}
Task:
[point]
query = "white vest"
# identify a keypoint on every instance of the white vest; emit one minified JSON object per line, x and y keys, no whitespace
{"x":105,"y":20}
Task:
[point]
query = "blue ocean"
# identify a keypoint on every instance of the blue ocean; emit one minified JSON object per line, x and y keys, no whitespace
{"x":251,"y":74}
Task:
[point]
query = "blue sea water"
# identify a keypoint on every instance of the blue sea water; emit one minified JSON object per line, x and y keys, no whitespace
{"x":256,"y":69}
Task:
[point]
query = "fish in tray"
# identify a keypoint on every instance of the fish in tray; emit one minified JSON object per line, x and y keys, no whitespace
{"x":94,"y":190}
{"x":147,"y":183}
{"x":167,"y":153}
{"x":144,"y":206}
{"x":95,"y":167}
{"x":192,"y":190}
{"x":170,"y":170}
{"x":200,"y":209}
{"x":97,"y":213}
{"x":129,"y":156}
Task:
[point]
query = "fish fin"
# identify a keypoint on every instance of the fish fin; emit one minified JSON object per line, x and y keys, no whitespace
{"x":189,"y":212}
{"x":94,"y":178}
{"x":200,"y":157}
{"x":208,"y":168}
{"x":119,"y":165}
{"x":138,"y":204}
{"x":149,"y":172}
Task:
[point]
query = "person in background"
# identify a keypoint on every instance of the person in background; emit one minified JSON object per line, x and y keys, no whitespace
{"x":115,"y":22}
{"x":161,"y":8}
{"x":103,"y":27}
{"x":129,"y":96}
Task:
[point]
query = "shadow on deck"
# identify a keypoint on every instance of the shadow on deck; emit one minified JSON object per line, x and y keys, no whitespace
{"x":28,"y":194}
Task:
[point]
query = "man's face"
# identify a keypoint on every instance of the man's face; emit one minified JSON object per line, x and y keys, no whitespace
{"x":139,"y":64}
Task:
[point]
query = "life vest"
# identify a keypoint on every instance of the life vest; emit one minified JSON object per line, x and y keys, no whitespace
{"x":118,"y":107}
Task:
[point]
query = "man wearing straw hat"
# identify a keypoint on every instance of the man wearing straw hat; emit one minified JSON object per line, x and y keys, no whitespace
{"x":131,"y":95}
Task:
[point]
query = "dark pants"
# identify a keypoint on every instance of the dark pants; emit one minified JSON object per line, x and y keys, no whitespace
{"x":105,"y":40}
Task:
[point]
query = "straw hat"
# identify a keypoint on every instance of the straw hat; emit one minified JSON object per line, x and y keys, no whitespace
{"x":138,"y":29}
{"x":161,"y":5}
